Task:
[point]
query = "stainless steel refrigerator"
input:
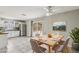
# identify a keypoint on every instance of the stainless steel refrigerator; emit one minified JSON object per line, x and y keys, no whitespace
{"x":23,"y":29}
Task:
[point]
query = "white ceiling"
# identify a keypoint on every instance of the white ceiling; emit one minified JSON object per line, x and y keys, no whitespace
{"x":30,"y":12}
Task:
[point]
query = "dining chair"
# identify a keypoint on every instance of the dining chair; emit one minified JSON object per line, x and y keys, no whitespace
{"x":62,"y":48}
{"x":36,"y":47}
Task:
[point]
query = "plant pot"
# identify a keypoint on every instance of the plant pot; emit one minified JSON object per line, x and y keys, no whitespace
{"x":75,"y":46}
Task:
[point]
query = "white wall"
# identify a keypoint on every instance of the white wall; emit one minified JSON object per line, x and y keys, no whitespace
{"x":71,"y":18}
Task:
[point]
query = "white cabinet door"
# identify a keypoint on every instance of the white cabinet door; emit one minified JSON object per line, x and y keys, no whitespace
{"x":3,"y":41}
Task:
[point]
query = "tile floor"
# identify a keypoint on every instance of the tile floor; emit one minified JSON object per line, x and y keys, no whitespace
{"x":19,"y":45}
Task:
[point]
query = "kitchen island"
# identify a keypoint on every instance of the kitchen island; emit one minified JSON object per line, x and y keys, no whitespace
{"x":3,"y":42}
{"x":13,"y":33}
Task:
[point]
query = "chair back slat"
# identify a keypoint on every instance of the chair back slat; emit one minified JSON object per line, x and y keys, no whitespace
{"x":35,"y":46}
{"x":65,"y":44}
{"x":62,"y":47}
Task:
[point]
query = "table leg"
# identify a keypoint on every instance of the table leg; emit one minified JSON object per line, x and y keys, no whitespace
{"x":49,"y":49}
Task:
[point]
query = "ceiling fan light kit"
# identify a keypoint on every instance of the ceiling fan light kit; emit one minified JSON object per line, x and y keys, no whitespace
{"x":49,"y":10}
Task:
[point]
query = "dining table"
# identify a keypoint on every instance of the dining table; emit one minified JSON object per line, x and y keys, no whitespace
{"x":50,"y":42}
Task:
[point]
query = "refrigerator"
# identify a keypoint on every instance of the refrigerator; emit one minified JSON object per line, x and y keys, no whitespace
{"x":23,"y":29}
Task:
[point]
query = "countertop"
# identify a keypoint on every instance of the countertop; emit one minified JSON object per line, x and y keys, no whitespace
{"x":1,"y":33}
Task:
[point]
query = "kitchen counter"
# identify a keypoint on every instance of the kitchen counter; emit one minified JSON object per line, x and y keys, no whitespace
{"x":12,"y":33}
{"x":3,"y":33}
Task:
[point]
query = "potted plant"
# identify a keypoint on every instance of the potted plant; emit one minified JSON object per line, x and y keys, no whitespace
{"x":74,"y":34}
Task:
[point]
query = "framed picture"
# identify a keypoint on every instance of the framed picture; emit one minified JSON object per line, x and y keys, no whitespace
{"x":59,"y":26}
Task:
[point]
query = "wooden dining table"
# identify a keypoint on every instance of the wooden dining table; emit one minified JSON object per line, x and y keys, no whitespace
{"x":49,"y":42}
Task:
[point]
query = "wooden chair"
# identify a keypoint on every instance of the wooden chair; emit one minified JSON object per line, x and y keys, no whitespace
{"x":62,"y":48}
{"x":36,"y":47}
